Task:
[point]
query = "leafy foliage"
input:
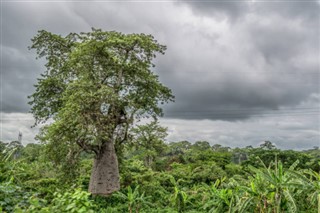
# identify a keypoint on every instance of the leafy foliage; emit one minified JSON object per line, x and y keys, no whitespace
{"x":95,"y":86}
{"x":197,"y":181}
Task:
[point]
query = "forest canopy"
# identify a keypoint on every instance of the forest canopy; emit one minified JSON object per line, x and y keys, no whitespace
{"x":170,"y":177}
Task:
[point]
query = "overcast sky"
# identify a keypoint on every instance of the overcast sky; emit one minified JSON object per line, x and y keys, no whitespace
{"x":242,"y":71}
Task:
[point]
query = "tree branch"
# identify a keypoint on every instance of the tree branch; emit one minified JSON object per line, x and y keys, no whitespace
{"x":87,"y":147}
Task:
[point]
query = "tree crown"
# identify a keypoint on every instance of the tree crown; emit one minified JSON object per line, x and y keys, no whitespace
{"x":95,"y":85}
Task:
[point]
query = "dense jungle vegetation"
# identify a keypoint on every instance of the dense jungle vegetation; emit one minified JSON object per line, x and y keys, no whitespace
{"x":163,"y":177}
{"x":93,"y":157}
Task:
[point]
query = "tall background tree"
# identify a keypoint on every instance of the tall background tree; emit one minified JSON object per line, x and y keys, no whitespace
{"x":94,"y":87}
{"x":149,"y":140}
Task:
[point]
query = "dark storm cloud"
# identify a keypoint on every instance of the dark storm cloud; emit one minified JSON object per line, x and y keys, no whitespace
{"x":251,"y":70}
{"x":215,"y":64}
{"x":17,"y":79}
{"x":18,"y":66}
{"x":20,"y":69}
{"x":230,"y":10}
{"x":303,"y":10}
{"x":270,"y":61}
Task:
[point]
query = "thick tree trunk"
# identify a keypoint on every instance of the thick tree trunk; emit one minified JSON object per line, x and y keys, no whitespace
{"x":105,"y":172}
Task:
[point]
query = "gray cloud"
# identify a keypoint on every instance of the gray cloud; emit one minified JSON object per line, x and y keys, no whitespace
{"x":304,"y":11}
{"x":264,"y":62}
{"x":13,"y":123}
{"x":230,"y":10}
{"x":20,"y":69}
{"x":225,"y":60}
{"x":234,"y":10}
{"x":288,"y":131}
{"x":210,"y":64}
{"x":17,"y":79}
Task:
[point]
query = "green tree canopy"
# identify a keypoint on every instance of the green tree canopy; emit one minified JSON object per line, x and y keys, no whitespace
{"x":94,"y":86}
{"x":149,"y":138}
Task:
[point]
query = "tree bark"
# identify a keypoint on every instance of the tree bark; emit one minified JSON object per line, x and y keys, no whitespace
{"x":105,"y":177}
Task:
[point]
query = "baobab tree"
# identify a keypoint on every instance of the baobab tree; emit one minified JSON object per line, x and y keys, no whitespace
{"x":95,"y":86}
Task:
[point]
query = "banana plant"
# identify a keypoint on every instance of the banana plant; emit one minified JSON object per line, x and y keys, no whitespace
{"x":221,"y":199}
{"x":313,"y":188}
{"x":275,"y":185}
{"x":134,"y":199}
{"x":12,"y":151}
{"x":179,"y":198}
